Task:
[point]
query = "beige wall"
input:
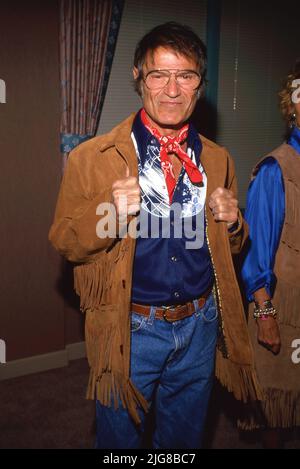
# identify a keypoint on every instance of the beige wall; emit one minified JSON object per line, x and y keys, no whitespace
{"x":33,"y":319}
{"x":256,"y":53}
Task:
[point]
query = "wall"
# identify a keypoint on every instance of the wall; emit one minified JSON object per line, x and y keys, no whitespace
{"x":32,"y":316}
{"x":259,"y":45}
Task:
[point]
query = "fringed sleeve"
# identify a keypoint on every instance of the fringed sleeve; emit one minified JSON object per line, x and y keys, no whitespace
{"x":73,"y":232}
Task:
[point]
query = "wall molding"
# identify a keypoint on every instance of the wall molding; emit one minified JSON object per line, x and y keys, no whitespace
{"x":76,"y":351}
{"x":39,"y":363}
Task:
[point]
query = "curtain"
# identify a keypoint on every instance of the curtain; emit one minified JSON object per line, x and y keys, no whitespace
{"x":88,"y":35}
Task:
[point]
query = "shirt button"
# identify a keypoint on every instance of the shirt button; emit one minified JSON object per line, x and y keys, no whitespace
{"x":176,"y":294}
{"x":172,"y":223}
{"x":174,"y":258}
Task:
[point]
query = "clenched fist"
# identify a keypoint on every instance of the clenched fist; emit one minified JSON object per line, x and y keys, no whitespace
{"x":126,"y":196}
{"x":224,"y":206}
{"x":268,"y":333}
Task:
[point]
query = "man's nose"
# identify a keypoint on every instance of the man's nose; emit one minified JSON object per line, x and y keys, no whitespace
{"x":172,"y":88}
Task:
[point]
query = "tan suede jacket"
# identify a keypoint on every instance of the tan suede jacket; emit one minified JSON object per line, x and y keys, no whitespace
{"x":103,"y":273}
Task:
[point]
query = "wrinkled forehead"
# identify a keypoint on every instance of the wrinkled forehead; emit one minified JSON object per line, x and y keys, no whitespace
{"x":166,"y":58}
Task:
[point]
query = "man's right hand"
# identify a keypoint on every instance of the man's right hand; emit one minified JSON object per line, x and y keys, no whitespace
{"x":126,"y":196}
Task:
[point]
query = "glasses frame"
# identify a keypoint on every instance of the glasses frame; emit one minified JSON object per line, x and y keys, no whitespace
{"x":172,"y":71}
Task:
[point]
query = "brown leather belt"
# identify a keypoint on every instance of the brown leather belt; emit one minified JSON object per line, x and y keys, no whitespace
{"x":171,"y":313}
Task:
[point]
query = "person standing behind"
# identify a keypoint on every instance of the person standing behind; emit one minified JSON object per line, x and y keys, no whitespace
{"x":271,"y":274}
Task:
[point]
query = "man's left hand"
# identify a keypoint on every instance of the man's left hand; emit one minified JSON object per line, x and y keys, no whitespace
{"x":224,"y":206}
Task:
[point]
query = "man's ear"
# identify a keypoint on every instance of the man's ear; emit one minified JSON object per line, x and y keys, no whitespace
{"x":137,"y":82}
{"x":135,"y":73}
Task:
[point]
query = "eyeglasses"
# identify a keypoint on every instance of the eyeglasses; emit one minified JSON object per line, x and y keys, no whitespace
{"x":158,"y":79}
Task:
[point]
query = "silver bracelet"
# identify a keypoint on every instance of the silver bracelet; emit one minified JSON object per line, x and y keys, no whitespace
{"x":265,"y":312}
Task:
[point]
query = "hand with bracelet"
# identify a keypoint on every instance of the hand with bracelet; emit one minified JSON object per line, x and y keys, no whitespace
{"x":268,"y":334}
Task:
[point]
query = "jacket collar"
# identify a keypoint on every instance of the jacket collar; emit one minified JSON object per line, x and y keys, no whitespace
{"x":120,"y":138}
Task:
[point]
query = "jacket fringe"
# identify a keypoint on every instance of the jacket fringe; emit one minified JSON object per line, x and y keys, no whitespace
{"x":110,"y":388}
{"x":92,"y":282}
{"x":108,"y":359}
{"x":279,"y":409}
{"x":241,"y":380}
{"x":108,"y":381}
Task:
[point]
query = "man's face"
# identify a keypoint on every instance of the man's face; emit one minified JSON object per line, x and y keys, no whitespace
{"x":168,"y":107}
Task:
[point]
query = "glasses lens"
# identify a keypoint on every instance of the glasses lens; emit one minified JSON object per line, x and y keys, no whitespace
{"x":190,"y":80}
{"x":158,"y":79}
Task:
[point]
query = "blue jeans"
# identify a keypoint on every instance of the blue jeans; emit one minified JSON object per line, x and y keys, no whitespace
{"x":172,"y":364}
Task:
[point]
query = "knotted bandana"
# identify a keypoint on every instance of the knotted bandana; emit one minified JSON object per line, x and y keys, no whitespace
{"x":169,"y":145}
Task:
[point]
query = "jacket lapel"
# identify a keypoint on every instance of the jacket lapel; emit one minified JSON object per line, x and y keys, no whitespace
{"x":214,"y":169}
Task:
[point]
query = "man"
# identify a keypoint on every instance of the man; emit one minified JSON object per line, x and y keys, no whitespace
{"x":149,"y":213}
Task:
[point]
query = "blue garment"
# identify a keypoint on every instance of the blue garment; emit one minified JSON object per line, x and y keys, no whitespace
{"x":294,"y":139}
{"x":265,"y":214}
{"x":172,"y":364}
{"x":165,"y":271}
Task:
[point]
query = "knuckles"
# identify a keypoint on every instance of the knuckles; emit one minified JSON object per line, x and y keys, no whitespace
{"x":125,"y":183}
{"x":223,"y":199}
{"x":126,"y":195}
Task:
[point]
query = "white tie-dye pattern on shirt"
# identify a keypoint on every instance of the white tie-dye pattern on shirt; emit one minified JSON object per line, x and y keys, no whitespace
{"x":154,"y":192}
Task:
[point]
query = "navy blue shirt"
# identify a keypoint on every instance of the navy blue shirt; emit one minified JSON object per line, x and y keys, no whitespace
{"x":172,"y":264}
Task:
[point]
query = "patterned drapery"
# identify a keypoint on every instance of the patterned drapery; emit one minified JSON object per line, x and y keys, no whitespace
{"x":88,"y":34}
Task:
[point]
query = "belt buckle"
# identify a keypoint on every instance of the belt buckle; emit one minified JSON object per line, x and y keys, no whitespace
{"x":167,"y":308}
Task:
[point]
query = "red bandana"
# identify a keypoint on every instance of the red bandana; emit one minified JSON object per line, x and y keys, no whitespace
{"x":173,"y":145}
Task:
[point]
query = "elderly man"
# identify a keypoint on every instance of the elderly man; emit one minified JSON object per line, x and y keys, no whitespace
{"x":149,"y":214}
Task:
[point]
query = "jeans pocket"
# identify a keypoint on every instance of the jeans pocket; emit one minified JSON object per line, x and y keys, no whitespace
{"x":209,"y":312}
{"x":137,"y":322}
